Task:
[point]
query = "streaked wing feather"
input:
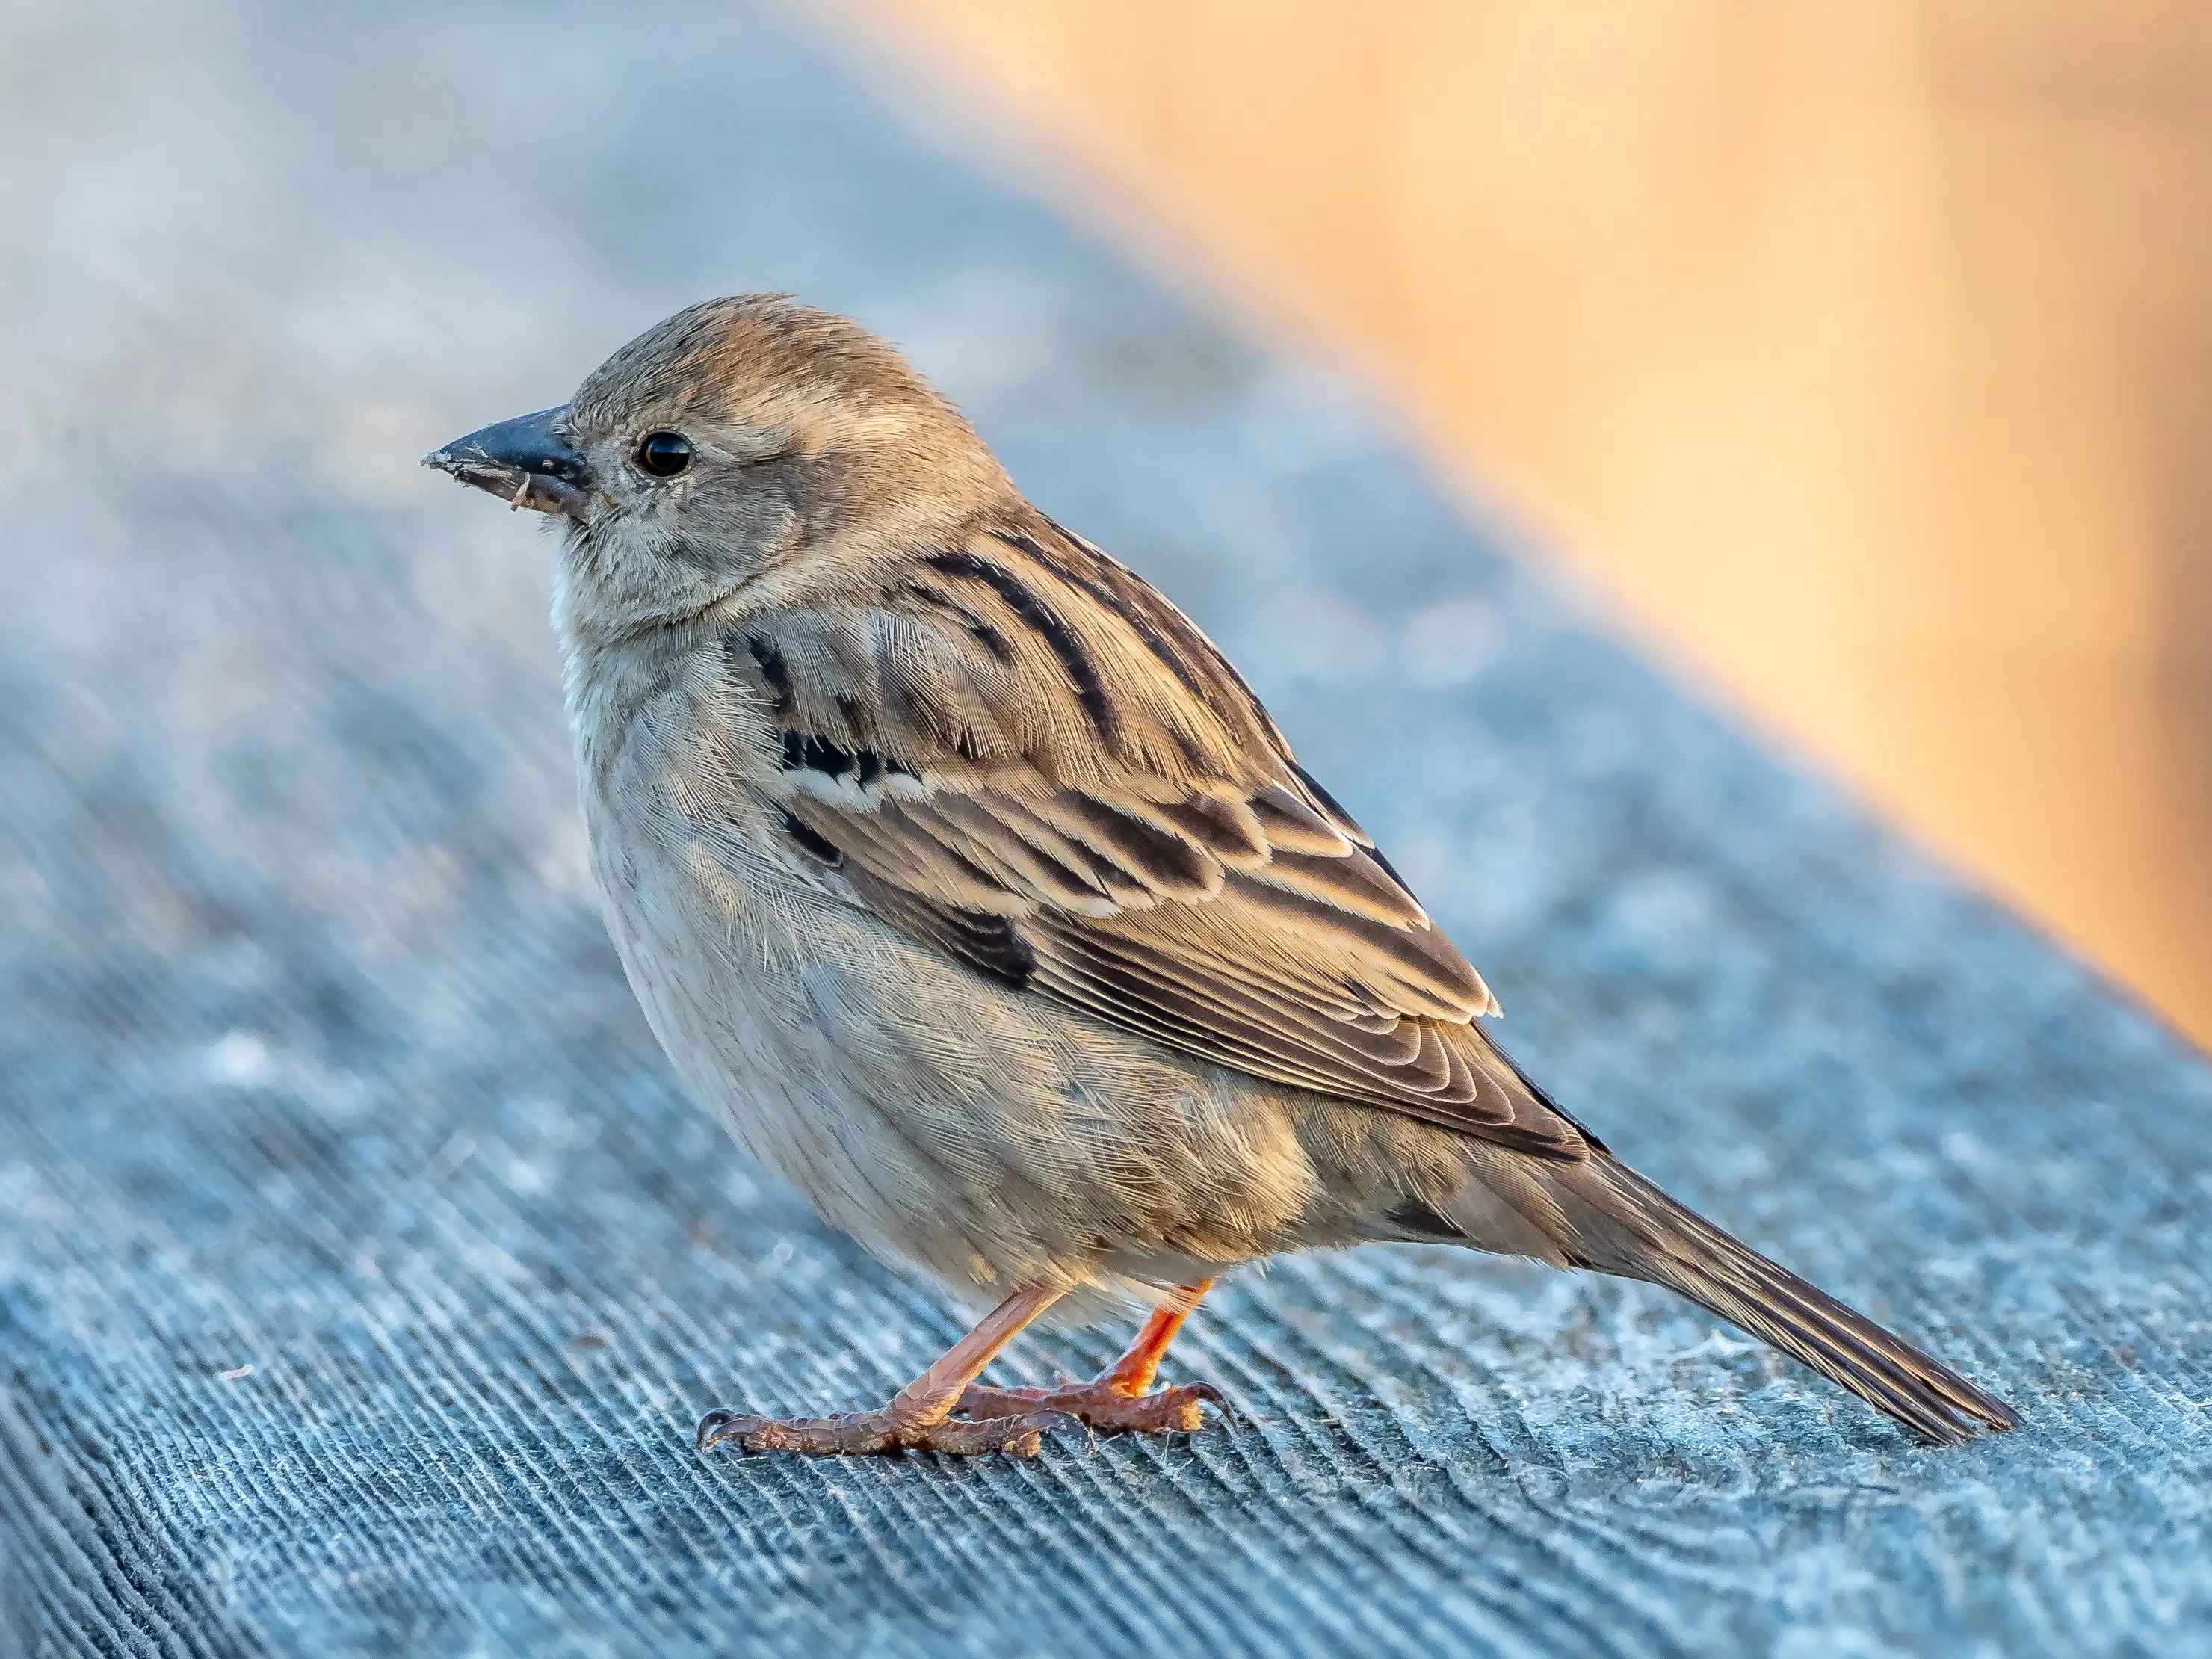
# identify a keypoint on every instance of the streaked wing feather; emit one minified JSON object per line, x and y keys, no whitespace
{"x":1024,"y":757}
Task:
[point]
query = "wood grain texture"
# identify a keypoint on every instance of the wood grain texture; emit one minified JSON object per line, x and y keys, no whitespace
{"x":1860,"y":351}
{"x":362,"y":1275}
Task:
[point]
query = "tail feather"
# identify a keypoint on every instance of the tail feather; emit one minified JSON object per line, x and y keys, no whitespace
{"x":1623,"y":1224}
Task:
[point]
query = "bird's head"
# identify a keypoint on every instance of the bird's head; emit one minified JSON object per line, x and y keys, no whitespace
{"x":743,"y":443}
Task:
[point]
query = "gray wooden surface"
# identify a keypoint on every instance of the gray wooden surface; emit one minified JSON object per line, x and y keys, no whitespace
{"x":362,"y":1275}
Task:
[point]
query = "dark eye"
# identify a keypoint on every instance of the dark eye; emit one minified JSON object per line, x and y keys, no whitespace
{"x":664,"y":454}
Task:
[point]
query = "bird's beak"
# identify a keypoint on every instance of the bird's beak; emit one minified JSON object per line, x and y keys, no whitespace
{"x":524,"y":461}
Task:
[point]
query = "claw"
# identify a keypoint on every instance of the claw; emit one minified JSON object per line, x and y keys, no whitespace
{"x":721,"y":1425}
{"x":1213,"y":1397}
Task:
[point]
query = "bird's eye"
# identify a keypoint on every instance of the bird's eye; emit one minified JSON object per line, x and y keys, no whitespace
{"x":664,"y":454}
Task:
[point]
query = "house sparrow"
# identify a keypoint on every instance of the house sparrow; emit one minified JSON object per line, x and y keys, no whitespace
{"x":969,"y":882}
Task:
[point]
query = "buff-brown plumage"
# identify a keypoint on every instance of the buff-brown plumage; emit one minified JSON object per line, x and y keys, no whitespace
{"x":965,"y":876}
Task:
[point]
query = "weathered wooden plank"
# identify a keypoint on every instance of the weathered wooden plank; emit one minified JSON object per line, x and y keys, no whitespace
{"x":362,"y":1275}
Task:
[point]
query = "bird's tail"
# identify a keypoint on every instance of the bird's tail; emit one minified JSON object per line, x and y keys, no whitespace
{"x":1621,"y":1223}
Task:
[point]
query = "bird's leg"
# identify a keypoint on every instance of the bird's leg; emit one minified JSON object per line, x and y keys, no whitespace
{"x":1120,"y":1397}
{"x":920,"y":1417}
{"x":1140,"y":1363}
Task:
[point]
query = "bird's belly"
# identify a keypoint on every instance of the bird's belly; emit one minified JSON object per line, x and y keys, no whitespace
{"x":936,"y":1118}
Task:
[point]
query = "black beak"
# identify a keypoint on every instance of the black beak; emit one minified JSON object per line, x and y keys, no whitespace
{"x":524,"y":461}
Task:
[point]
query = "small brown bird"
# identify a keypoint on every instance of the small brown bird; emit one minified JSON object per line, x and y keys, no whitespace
{"x":964,"y":876}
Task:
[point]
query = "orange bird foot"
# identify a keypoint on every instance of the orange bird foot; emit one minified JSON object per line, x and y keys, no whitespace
{"x":856,"y":1434}
{"x":1102,"y":1405}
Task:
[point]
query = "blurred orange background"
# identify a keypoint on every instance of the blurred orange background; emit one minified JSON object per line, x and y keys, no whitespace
{"x":1862,"y":353}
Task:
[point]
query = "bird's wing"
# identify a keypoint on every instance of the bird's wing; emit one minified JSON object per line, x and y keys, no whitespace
{"x":1023,"y":756}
